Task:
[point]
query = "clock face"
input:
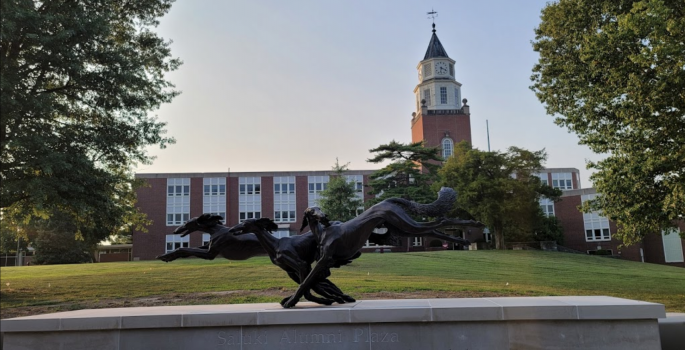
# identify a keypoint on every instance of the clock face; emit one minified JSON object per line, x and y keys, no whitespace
{"x":441,"y":68}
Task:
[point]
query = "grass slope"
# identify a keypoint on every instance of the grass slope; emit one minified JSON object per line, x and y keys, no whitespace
{"x":426,"y":274}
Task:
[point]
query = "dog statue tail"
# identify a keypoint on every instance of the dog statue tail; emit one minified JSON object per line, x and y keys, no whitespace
{"x":438,"y":209}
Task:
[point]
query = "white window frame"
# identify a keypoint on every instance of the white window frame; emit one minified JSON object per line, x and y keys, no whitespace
{"x":447,"y":147}
{"x":249,"y":198}
{"x":177,"y":201}
{"x":174,"y":242}
{"x":358,"y":181}
{"x":443,"y":95}
{"x":285,"y":199}
{"x":673,"y":246}
{"x":543,"y":178}
{"x":315,"y":185}
{"x":597,"y":227}
{"x":281,"y":232}
{"x":562,"y":181}
{"x":547,"y":206}
{"x":214,"y":196}
{"x":427,"y":96}
{"x":206,"y":237}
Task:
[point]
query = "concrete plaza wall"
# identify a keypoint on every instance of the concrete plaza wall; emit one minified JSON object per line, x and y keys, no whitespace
{"x":486,"y":323}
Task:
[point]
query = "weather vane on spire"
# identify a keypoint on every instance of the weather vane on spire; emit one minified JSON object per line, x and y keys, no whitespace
{"x":431,"y":15}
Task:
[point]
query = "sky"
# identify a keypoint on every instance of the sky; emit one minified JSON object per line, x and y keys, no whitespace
{"x":270,"y":85}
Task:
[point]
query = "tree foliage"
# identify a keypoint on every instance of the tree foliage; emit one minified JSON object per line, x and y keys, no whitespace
{"x":409,"y":174}
{"x":78,"y":79}
{"x":339,"y":200}
{"x":548,"y":228}
{"x":10,"y":237}
{"x":499,"y":189}
{"x":613,"y":72}
{"x":55,"y":243}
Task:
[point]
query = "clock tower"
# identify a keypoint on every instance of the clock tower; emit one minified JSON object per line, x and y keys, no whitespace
{"x":442,"y":117}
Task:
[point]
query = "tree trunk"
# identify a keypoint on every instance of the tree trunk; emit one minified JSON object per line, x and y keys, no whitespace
{"x":499,"y":239}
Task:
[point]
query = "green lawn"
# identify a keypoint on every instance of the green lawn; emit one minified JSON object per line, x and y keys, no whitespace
{"x":427,"y":274}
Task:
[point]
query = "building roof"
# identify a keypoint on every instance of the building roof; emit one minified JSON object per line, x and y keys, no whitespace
{"x":435,"y":48}
{"x":250,"y":173}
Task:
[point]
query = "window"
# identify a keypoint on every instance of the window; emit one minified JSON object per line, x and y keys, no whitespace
{"x":443,"y":95}
{"x":487,"y":235}
{"x":177,"y":201}
{"x":358,"y":181}
{"x":214,"y":186}
{"x":596,"y":226}
{"x":418,"y":242}
{"x":249,"y":198}
{"x":316,"y":184}
{"x":178,"y":187}
{"x":281,"y":232}
{"x":206,"y":237}
{"x":447,"y":148}
{"x":284,"y":199}
{"x":451,"y":69}
{"x":214,"y":196}
{"x":457,"y":99}
{"x":543,"y":178}
{"x":562,"y":181}
{"x":174,"y":242}
{"x":250,"y":185}
{"x":547,"y":206}
{"x":427,"y":96}
{"x":673,"y":246}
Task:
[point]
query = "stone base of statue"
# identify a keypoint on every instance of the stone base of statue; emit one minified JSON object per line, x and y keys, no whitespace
{"x":596,"y":322}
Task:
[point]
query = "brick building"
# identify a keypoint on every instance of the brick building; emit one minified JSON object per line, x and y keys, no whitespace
{"x":441,"y":119}
{"x":171,"y":199}
{"x":593,"y":234}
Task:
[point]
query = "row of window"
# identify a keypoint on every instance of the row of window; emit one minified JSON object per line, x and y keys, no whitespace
{"x":562,"y":181}
{"x":215,"y":190}
{"x":174,"y":242}
{"x":249,"y":199}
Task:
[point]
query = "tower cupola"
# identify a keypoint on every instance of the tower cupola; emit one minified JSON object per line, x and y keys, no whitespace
{"x":437,"y":83}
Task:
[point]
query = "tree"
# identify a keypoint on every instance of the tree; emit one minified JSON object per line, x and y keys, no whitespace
{"x":412,"y":169}
{"x":339,"y":200}
{"x":499,"y":189}
{"x":78,"y":80}
{"x":548,"y":228}
{"x":612,"y":72}
{"x":11,"y":238}
{"x":55,"y":243}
